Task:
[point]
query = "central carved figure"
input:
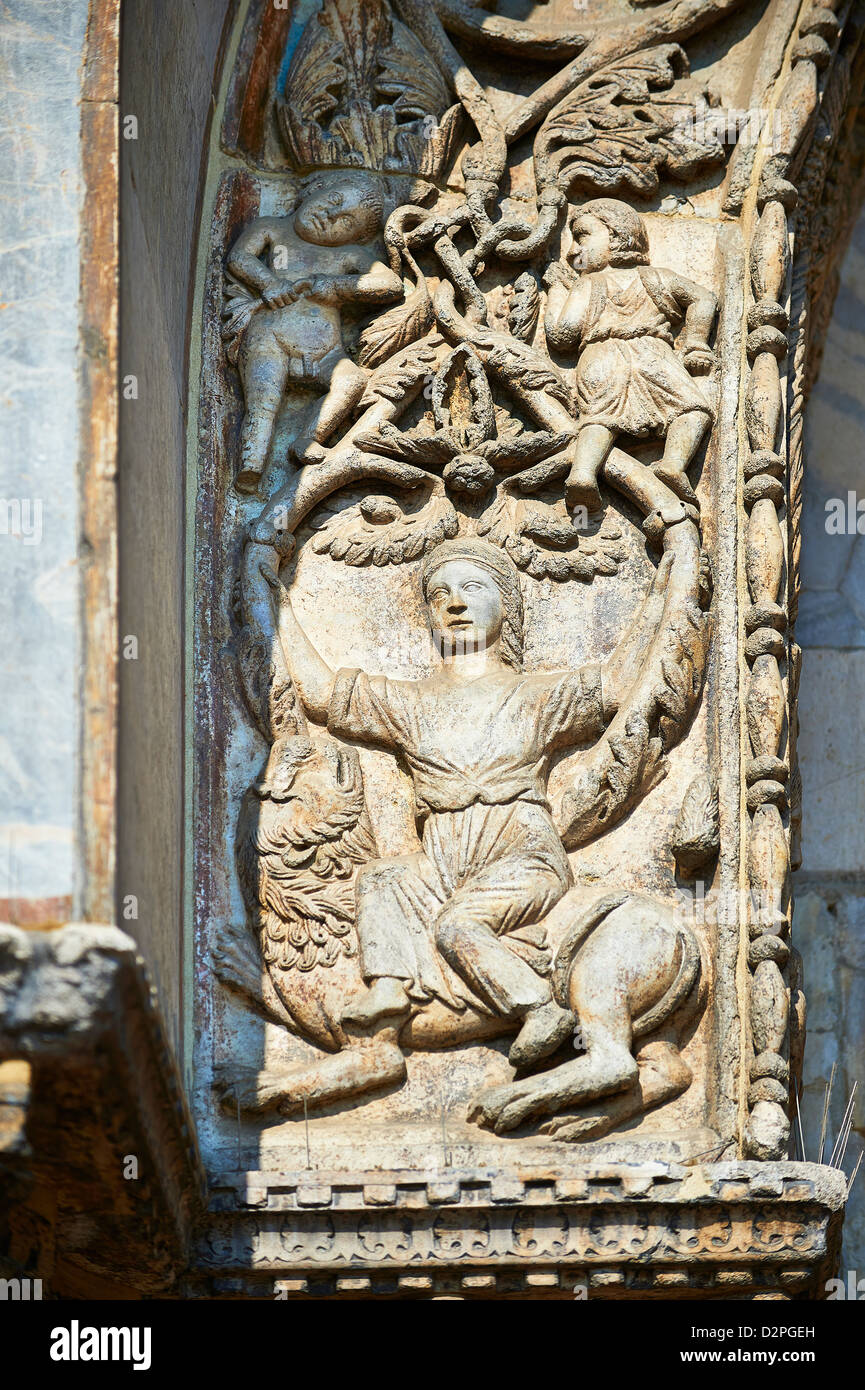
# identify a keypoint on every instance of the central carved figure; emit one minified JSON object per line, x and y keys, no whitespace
{"x":451,"y":941}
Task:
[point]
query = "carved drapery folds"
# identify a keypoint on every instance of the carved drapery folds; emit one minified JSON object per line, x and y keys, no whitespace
{"x":478,"y":548}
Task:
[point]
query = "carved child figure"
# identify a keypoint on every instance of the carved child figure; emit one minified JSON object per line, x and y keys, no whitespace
{"x":620,"y":316}
{"x":303,"y":269}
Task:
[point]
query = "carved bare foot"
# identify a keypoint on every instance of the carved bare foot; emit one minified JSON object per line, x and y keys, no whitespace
{"x":581,"y":490}
{"x":502,"y":1108}
{"x":248,"y":478}
{"x":308,"y":450}
{"x":677,"y":481}
{"x":386,"y":999}
{"x":543,"y":1032}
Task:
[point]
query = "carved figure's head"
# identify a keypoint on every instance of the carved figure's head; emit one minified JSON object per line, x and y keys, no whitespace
{"x":473,"y":597}
{"x":340,"y":209}
{"x":607,"y":232}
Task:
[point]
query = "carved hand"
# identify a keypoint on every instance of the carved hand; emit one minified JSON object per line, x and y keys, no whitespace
{"x":699,"y":359}
{"x":278,"y":292}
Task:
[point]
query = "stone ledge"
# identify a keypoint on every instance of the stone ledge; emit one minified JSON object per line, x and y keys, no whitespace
{"x":725,"y":1230}
{"x":561,"y":1184}
{"x":76,"y":1006}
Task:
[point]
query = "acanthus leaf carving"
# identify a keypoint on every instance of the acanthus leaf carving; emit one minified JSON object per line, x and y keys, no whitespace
{"x":620,"y":128}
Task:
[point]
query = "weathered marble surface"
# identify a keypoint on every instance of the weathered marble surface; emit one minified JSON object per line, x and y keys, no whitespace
{"x":830,"y":904}
{"x":41,"y":50}
{"x":160,"y":173}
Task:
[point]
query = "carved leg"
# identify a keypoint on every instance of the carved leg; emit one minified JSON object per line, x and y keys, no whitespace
{"x":683,"y":440}
{"x":347,"y":385}
{"x":589,"y":452}
{"x":662,"y":1076}
{"x":607,"y":1066}
{"x":506,"y":982}
{"x":265,"y":373}
{"x":363,"y":1067}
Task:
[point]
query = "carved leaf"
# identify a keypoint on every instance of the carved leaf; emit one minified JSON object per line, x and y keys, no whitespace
{"x":396,"y":377}
{"x":525,"y":307}
{"x":617,"y":130}
{"x":269,"y":694}
{"x":543,"y":542}
{"x":696,"y":834}
{"x":424,"y":449}
{"x":408,"y":77}
{"x":377,"y":531}
{"x":631,"y":759}
{"x":532,"y":373}
{"x":362,"y":91}
{"x":239,"y":305}
{"x":396,"y":329}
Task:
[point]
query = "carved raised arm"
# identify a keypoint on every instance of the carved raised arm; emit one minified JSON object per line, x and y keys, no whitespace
{"x":654,"y":677}
{"x":312,"y":677}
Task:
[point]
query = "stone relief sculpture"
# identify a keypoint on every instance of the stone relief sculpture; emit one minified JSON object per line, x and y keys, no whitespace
{"x":628,"y":378}
{"x":291,"y":330}
{"x":371,"y":955}
{"x":451,"y":942}
{"x":499,"y":390}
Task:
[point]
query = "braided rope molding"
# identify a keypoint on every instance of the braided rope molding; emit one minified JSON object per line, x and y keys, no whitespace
{"x":771,"y":494}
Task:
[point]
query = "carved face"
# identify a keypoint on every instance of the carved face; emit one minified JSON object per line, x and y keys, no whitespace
{"x":465,"y":606}
{"x":591,"y":249}
{"x":336,"y":212}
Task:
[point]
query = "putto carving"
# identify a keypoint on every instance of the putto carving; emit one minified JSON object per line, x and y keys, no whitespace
{"x":289,"y":279}
{"x":618,"y":315}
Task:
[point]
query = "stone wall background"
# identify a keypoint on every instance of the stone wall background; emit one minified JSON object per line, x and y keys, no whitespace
{"x":41,"y":49}
{"x":829,"y":926}
{"x":160,"y":188}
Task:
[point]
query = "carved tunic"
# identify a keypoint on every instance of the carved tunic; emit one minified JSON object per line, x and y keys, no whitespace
{"x":628,"y":377}
{"x":492,"y":860}
{"x":484,"y":740}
